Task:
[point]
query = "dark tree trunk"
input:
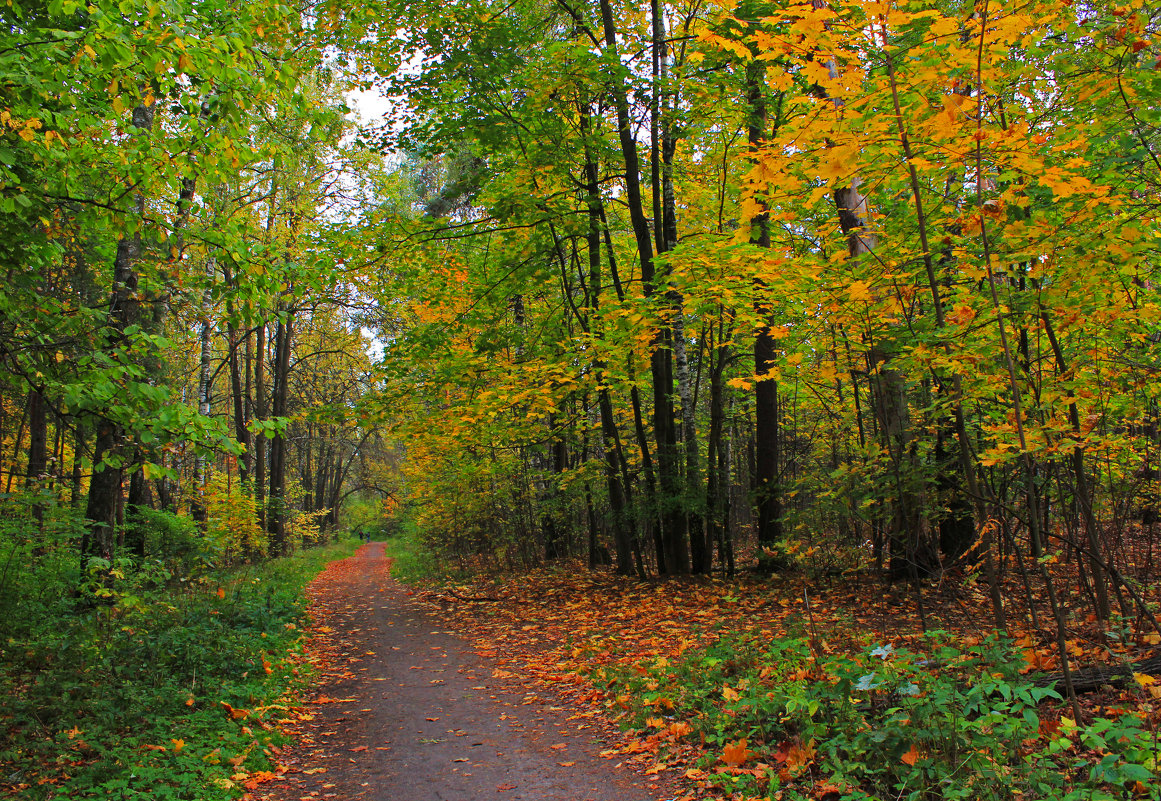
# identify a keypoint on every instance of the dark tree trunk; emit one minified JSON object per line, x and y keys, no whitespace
{"x":78,"y":464}
{"x":276,"y":517}
{"x":238,"y":392}
{"x":674,"y":554}
{"x":37,"y":438}
{"x":124,"y":310}
{"x":767,"y":428}
{"x":260,"y":441}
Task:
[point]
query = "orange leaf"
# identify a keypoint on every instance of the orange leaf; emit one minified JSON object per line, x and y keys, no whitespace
{"x":221,"y":593}
{"x":178,"y":744}
{"x":736,"y":753}
{"x":235,"y":714}
{"x":911,"y":757}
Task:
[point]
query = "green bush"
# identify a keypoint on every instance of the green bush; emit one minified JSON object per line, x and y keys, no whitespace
{"x":952,"y":722}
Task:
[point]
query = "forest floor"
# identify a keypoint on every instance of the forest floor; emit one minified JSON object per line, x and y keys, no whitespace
{"x":545,"y":685}
{"x":404,"y":709}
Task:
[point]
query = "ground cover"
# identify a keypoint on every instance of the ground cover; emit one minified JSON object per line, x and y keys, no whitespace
{"x":147,"y":685}
{"x":792,"y":687}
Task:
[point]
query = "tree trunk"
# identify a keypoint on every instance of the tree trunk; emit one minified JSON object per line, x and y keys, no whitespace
{"x":37,"y":439}
{"x":261,"y":442}
{"x":276,"y":517}
{"x":238,"y":393}
{"x":124,"y":311}
{"x":672,"y":534}
{"x":621,"y":522}
{"x":767,"y":428}
{"x":197,"y":503}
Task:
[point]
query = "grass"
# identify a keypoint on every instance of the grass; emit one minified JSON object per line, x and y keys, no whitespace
{"x":160,"y":687}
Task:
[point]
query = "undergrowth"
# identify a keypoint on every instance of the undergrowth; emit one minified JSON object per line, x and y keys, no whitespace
{"x":413,"y":562}
{"x":142,"y":680}
{"x":779,"y":719}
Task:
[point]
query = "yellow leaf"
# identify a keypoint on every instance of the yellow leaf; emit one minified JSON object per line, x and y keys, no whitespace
{"x":860,"y":290}
{"x":833,"y":167}
{"x":1144,"y":679}
{"x":178,"y":744}
{"x":118,"y":106}
{"x":730,"y":694}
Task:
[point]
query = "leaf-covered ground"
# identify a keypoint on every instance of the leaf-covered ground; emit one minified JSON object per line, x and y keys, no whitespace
{"x":619,"y":649}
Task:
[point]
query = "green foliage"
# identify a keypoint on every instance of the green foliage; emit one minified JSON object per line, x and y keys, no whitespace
{"x":952,"y":722}
{"x":412,"y":560}
{"x":98,"y":683}
{"x":172,"y":540}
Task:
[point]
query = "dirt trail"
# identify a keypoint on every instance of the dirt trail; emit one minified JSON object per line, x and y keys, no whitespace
{"x":408,"y":712}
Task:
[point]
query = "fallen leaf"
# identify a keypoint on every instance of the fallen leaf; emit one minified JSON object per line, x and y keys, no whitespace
{"x":736,"y":753}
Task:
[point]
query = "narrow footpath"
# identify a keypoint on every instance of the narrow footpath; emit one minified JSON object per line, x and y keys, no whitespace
{"x":405,"y":711}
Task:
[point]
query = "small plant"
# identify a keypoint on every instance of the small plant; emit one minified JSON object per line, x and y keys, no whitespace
{"x":955,"y":721}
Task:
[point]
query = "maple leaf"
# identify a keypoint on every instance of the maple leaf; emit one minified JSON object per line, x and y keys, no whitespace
{"x":860,"y":290}
{"x":178,"y":744}
{"x":736,"y":753}
{"x":833,"y":167}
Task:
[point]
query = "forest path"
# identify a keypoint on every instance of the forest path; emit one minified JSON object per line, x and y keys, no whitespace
{"x":404,"y":711}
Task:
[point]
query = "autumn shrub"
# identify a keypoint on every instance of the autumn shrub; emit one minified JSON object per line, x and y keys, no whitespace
{"x":305,"y":528}
{"x":953,"y":721}
{"x":158,"y":689}
{"x":232,"y":515}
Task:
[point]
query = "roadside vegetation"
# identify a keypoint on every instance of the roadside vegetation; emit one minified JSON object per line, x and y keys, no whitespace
{"x":162,"y":678}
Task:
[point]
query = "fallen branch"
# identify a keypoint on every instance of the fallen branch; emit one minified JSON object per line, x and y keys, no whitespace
{"x":1093,"y":678}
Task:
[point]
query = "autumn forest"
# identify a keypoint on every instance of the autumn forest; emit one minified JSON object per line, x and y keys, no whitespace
{"x":708,"y":293}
